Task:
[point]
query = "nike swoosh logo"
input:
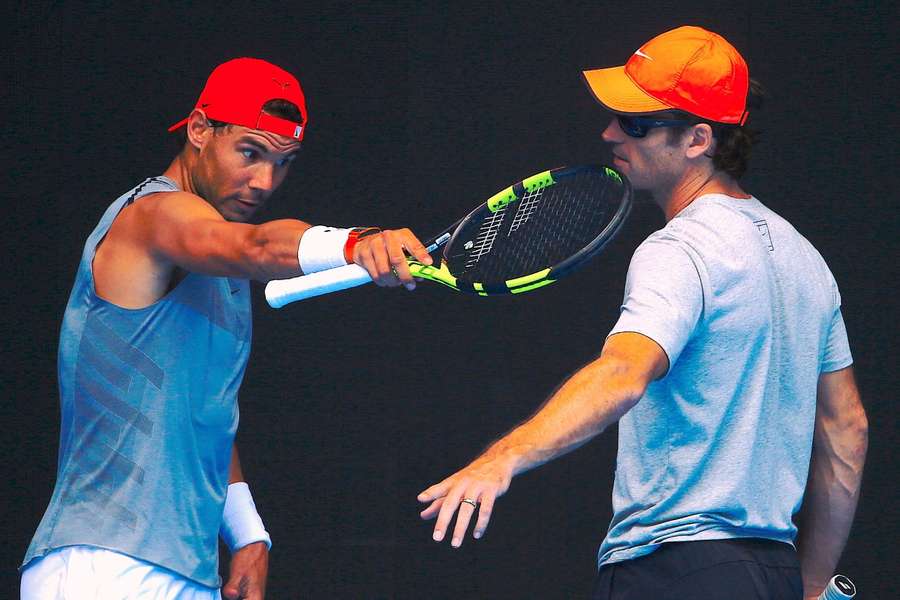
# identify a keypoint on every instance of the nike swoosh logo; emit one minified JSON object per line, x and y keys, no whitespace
{"x":639,"y":53}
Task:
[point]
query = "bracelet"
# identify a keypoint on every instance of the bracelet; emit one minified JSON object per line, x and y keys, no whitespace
{"x":356,"y":234}
{"x":241,"y":524}
{"x":322,"y":248}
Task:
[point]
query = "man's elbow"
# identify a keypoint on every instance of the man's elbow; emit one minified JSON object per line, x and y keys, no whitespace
{"x":633,"y":393}
{"x":860,"y":435}
{"x":851,"y":437}
{"x":625,"y":379}
{"x":259,"y":257}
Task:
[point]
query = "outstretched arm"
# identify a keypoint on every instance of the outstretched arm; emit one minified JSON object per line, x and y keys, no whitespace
{"x":185,"y":230}
{"x":593,"y":398}
{"x":152,"y":239}
{"x":835,"y":474}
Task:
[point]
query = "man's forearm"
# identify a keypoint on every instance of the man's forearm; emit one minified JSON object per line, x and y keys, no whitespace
{"x":831,"y":497}
{"x":592,"y":399}
{"x":596,"y":396}
{"x":258,"y":252}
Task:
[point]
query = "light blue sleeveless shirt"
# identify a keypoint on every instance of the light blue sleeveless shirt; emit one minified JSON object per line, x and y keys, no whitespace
{"x":749,"y":316}
{"x":149,"y":413}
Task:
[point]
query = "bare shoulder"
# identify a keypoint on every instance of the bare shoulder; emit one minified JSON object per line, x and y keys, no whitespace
{"x":168,"y":206}
{"x":133,"y":227}
{"x":128,"y":270}
{"x":146,"y":224}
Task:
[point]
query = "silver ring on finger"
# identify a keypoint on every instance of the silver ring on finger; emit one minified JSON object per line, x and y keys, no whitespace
{"x":470,"y":501}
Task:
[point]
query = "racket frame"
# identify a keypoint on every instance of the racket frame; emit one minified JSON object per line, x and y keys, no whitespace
{"x":514,"y":193}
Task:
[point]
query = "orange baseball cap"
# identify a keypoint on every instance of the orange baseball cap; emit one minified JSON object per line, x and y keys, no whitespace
{"x":237,"y":90}
{"x":688,"y":69}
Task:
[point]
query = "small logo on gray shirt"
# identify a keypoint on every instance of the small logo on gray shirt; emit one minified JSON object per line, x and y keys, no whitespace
{"x":764,"y":231}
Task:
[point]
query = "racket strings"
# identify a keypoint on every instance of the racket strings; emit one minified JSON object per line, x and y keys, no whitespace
{"x":526,"y":207}
{"x":549,"y":226}
{"x":484,"y":241}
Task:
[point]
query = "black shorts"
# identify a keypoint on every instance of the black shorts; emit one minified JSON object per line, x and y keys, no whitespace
{"x":736,"y":569}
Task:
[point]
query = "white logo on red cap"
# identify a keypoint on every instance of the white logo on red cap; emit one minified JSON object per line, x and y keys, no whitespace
{"x":639,"y":53}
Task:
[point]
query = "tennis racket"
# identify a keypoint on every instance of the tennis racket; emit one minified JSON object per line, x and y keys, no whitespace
{"x":522,"y":238}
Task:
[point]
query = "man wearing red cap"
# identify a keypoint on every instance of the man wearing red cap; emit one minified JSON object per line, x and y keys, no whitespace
{"x":728,"y":370}
{"x":154,"y":344}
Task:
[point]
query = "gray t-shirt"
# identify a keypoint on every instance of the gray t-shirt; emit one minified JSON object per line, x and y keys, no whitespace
{"x":749,"y":315}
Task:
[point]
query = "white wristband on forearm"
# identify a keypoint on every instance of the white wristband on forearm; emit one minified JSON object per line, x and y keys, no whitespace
{"x":322,"y":248}
{"x":241,"y":524}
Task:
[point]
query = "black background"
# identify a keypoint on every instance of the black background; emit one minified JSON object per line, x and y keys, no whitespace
{"x":355,"y":402}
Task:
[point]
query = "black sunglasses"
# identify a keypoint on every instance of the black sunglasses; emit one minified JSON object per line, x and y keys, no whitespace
{"x":637,"y":127}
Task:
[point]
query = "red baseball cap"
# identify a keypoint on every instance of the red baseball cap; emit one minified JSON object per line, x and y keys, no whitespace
{"x":688,"y":68}
{"x":237,"y":90}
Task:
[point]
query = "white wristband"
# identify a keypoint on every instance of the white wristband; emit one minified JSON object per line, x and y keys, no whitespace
{"x":322,"y":248}
{"x":241,"y":524}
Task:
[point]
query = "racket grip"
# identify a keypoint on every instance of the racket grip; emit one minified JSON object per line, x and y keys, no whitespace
{"x":839,"y":588}
{"x":284,"y":291}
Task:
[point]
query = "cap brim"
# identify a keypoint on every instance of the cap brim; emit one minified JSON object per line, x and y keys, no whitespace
{"x":617,"y":92}
{"x":178,"y":125}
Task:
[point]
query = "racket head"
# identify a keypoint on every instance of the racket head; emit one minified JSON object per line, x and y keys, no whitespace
{"x":534,"y":232}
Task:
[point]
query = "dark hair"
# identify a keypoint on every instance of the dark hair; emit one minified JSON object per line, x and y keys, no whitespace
{"x":733,"y":142}
{"x":275,"y":107}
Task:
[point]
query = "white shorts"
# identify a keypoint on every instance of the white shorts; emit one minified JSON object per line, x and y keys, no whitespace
{"x":89,"y":573}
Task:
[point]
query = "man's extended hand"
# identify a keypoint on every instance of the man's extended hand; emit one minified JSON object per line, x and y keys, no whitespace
{"x":384,"y":256}
{"x":482,"y":482}
{"x":248,"y":571}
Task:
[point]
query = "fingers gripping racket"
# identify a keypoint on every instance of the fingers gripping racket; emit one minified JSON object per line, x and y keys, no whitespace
{"x":522,"y":238}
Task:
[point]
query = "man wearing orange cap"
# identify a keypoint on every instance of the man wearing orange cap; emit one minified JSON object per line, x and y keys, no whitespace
{"x":154,"y":344}
{"x":728,"y":370}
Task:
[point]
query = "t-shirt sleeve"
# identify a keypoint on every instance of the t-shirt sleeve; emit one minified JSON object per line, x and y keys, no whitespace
{"x":836,"y":351}
{"x":663,"y":296}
